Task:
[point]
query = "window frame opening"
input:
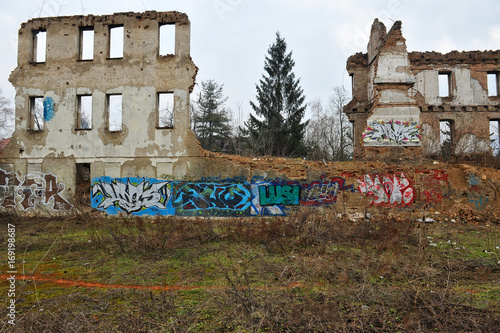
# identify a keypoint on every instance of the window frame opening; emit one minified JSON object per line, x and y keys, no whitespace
{"x":446,"y":137}
{"x":36,"y":110}
{"x":444,"y":84}
{"x":493,"y":83}
{"x":86,"y":43}
{"x":115,"y":113}
{"x":39,"y":49}
{"x":495,"y":137}
{"x":165,"y":108}
{"x":116,"y":43}
{"x":166,"y":39}
{"x":84,"y":112}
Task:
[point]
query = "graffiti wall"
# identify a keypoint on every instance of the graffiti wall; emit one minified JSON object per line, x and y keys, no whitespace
{"x":392,"y":133}
{"x":387,"y":190}
{"x":434,"y":187}
{"x":264,"y":197}
{"x":477,"y":196}
{"x":212,"y":199}
{"x":149,"y":196}
{"x":136,"y":196}
{"x":35,"y":190}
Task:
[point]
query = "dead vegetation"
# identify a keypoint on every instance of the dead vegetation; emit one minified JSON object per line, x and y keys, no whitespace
{"x":303,"y":273}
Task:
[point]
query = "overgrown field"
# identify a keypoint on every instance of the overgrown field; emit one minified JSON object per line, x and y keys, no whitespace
{"x":305,"y":273}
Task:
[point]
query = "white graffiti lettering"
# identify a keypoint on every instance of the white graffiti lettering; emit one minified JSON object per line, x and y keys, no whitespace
{"x":392,"y":192}
{"x":132,"y":198}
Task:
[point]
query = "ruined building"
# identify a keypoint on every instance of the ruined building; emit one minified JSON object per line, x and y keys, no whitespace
{"x":102,"y":97}
{"x":410,"y":104}
{"x":102,"y":113}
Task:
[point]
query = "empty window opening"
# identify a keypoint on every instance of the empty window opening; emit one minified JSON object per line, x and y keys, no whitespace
{"x":116,"y":42}
{"x":167,"y":39}
{"x":83,"y":182}
{"x":446,"y":134}
{"x":115,"y":113}
{"x":352,"y":85}
{"x":84,"y":120}
{"x":492,"y":84}
{"x":86,"y":43}
{"x":444,"y":84}
{"x":39,"y":45}
{"x":165,"y":110}
{"x":495,"y":136}
{"x":36,"y":114}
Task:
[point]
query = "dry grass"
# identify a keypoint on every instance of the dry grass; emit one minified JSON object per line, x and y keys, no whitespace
{"x":304,"y":273}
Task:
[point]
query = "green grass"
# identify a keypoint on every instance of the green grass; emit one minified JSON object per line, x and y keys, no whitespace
{"x":307,"y":272}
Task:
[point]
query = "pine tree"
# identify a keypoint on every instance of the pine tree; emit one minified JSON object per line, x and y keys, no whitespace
{"x":210,"y":118}
{"x":280,"y":102}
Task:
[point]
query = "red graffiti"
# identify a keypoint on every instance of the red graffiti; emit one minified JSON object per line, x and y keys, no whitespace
{"x":432,"y":183}
{"x":322,"y":192}
{"x":392,"y":191}
{"x":35,"y":189}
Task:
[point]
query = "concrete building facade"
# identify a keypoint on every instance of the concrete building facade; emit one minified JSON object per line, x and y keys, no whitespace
{"x":411,"y":104}
{"x":86,"y":111}
{"x":102,"y":113}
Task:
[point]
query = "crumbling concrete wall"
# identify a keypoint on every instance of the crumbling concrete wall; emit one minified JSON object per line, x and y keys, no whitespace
{"x":396,"y":107}
{"x":145,"y":169}
{"x":141,"y":147}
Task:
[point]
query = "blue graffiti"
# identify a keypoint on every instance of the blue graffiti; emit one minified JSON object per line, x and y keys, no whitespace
{"x":474,"y":180}
{"x":258,"y":209}
{"x":135,"y":196}
{"x":48,"y":108}
{"x":212,"y":198}
{"x":480,"y":201}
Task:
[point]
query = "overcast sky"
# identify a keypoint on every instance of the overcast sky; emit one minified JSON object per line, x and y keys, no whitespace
{"x":230,"y":38}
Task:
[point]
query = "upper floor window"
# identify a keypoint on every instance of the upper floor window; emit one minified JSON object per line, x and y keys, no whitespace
{"x":114,"y":108}
{"x":444,"y":84}
{"x":39,"y":45}
{"x":165,"y":110}
{"x":84,"y":118}
{"x":493,"y":83}
{"x":352,"y":84}
{"x":116,"y":41}
{"x":36,"y":113}
{"x":86,"y":43}
{"x":166,"y":39}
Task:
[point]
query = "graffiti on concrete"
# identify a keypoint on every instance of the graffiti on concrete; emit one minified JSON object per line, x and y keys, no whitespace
{"x":257,"y":209}
{"x":36,"y":190}
{"x":392,"y":191}
{"x":224,"y":199}
{"x":479,"y":201}
{"x":322,"y":192}
{"x":270,"y":195}
{"x":392,"y":133}
{"x":475,"y":194}
{"x":434,"y":186}
{"x":48,"y":108}
{"x":137,"y":196}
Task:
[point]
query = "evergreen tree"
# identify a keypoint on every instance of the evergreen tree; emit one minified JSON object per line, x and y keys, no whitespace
{"x":280,"y":102}
{"x":210,"y":118}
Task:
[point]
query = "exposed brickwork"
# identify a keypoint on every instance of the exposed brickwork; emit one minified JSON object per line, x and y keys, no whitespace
{"x":391,"y":85}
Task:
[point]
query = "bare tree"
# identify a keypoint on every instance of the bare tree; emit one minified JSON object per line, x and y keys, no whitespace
{"x":329,"y":134}
{"x":6,"y":117}
{"x":51,"y":8}
{"x":238,"y":138}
